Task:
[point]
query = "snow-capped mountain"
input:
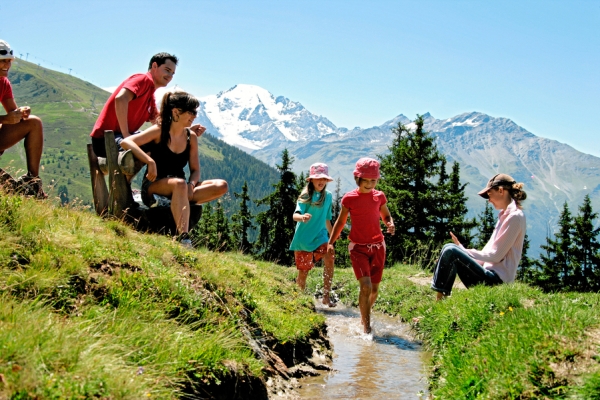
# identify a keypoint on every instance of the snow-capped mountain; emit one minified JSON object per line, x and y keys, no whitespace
{"x":253,"y":119}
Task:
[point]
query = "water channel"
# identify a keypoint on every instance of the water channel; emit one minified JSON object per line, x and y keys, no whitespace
{"x":387,"y":364}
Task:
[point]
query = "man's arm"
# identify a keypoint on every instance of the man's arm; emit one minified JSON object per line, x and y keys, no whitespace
{"x":13,"y":113}
{"x":121,"y":107}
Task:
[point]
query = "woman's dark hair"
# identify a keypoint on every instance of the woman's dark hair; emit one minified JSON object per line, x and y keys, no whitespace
{"x":307,"y":195}
{"x":516,"y":192}
{"x":181,"y":100}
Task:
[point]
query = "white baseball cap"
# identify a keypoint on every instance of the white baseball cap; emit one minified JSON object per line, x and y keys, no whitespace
{"x":6,"y":52}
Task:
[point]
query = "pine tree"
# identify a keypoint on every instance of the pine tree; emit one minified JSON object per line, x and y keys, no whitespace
{"x":557,"y":265}
{"x":485,"y":226}
{"x":527,"y":271}
{"x":455,"y":209}
{"x":587,"y":248}
{"x":242,"y":221}
{"x":301,"y":182}
{"x":276,"y":224}
{"x":204,"y":233}
{"x":409,"y":179}
{"x":222,"y":238}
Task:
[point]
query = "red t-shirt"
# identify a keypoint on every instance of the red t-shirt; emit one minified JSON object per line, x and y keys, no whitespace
{"x":5,"y":91}
{"x":141,"y":109}
{"x":364,"y":215}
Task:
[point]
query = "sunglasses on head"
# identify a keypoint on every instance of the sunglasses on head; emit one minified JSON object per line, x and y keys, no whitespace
{"x":5,"y":52}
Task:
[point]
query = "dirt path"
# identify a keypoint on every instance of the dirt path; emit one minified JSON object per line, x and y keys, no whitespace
{"x":424,"y":279}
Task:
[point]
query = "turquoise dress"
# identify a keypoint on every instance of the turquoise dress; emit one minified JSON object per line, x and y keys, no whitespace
{"x":312,"y":234}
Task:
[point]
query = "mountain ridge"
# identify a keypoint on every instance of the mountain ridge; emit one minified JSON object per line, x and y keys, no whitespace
{"x":484,"y":145}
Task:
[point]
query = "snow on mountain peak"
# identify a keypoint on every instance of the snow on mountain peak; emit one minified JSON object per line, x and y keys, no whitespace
{"x":251,"y":117}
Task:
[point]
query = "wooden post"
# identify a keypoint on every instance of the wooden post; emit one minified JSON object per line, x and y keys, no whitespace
{"x":99,"y":189}
{"x":119,"y":194}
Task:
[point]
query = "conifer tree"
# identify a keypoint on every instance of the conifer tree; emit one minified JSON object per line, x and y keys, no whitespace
{"x":204,"y":233}
{"x":557,"y":267}
{"x":222,"y":236}
{"x":276,"y":224}
{"x":485,"y":226}
{"x":527,"y":270}
{"x":586,"y":248}
{"x":410,"y":174}
{"x":301,"y":182}
{"x":242,"y":221}
{"x":454,"y":209}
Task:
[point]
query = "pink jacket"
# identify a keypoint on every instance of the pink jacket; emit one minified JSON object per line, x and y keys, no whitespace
{"x":502,"y":253}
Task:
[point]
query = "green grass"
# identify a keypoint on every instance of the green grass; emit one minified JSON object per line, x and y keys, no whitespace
{"x":90,"y":308}
{"x":505,"y":342}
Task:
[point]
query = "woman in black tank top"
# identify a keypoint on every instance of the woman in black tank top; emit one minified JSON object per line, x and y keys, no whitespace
{"x":174,"y":144}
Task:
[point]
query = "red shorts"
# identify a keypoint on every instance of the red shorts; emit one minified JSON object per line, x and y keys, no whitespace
{"x":305,"y":260}
{"x":368,"y":260}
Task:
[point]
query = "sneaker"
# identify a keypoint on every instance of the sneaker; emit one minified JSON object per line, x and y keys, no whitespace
{"x":160,"y":201}
{"x":28,"y":185}
{"x":185,"y":241}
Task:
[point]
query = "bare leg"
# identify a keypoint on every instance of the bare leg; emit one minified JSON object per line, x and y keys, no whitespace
{"x":209,"y":190}
{"x":374,"y":294}
{"x":177,"y":189}
{"x":32,"y":131}
{"x":364,"y":302}
{"x":301,"y":279}
{"x":328,"y":261}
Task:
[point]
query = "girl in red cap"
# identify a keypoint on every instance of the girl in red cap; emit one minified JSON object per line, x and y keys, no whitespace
{"x":313,"y":217}
{"x":366,"y":206}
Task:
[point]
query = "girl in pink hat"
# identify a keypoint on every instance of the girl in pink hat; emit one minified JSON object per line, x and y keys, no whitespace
{"x":366,"y":206}
{"x":313,"y":217}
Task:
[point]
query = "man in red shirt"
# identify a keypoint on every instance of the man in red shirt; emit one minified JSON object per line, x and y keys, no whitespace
{"x":18,"y":124}
{"x":132,"y":103}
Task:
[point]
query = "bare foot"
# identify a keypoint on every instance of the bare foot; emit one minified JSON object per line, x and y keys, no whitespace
{"x":439,"y":296}
{"x":367,"y":330}
{"x":327,"y":301}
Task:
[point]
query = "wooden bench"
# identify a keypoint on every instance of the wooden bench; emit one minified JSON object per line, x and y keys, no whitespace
{"x":116,"y":199}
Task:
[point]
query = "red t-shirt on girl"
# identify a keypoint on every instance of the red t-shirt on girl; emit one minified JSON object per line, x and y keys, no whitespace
{"x":364,"y":209}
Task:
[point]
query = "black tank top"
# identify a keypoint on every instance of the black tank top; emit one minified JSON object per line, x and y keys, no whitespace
{"x":169,"y":163}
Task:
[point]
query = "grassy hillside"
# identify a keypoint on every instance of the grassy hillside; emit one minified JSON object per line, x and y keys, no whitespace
{"x":69,"y":107}
{"x":91,"y":309}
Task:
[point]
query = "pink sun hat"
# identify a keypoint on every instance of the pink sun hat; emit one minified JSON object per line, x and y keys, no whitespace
{"x":319,"y":171}
{"x":367,"y":168}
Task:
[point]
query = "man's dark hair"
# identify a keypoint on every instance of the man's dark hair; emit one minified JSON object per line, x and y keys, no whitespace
{"x":161,"y":58}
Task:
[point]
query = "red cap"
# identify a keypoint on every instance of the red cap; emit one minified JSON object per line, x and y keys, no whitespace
{"x":367,"y":168}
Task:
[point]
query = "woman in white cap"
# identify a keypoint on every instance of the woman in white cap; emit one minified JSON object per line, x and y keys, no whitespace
{"x":498,"y":261}
{"x":16,"y":125}
{"x":313,"y":216}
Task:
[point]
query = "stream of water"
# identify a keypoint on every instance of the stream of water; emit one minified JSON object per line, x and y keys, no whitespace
{"x":387,"y":364}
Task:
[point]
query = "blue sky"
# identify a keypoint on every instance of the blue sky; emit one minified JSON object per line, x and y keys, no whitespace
{"x":358,"y":63}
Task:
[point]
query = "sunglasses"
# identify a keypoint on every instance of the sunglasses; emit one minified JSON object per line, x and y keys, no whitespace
{"x":5,"y":52}
{"x":193,"y":112}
